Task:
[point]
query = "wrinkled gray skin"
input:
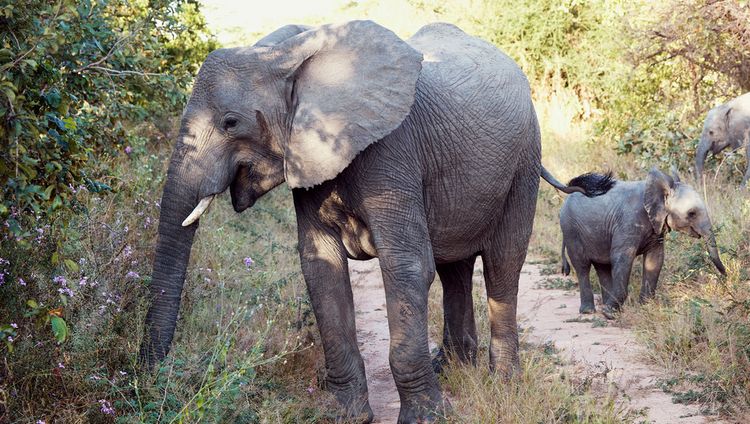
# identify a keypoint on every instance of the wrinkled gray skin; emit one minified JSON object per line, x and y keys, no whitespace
{"x":425,"y":164}
{"x":726,"y":125}
{"x":609,"y":231}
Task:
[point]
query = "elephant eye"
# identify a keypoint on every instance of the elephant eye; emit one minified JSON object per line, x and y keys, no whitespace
{"x":691,"y":214}
{"x":230,"y":123}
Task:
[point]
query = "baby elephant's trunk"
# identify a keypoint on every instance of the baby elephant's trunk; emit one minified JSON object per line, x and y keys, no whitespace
{"x":713,"y":251}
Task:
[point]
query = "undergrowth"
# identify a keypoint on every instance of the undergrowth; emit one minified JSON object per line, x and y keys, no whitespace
{"x":246,"y":349}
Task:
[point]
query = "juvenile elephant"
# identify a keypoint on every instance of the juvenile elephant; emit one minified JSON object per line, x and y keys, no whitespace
{"x":424,"y":153}
{"x":609,"y":231}
{"x":726,"y":125}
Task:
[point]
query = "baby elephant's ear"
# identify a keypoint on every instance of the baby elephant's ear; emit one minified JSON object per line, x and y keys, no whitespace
{"x":658,"y":189}
{"x":349,"y":86}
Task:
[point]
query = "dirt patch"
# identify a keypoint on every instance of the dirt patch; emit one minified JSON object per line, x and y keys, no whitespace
{"x":594,"y":345}
{"x":373,"y":337}
{"x":597,"y":347}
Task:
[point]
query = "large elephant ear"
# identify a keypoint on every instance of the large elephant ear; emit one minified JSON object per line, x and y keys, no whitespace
{"x":659,"y":187}
{"x":351,"y":84}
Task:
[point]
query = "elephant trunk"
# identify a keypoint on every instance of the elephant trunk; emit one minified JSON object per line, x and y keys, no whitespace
{"x":713,"y":251}
{"x":170,"y":262}
{"x":700,"y":156}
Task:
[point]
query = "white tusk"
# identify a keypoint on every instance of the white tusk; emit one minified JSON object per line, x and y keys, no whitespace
{"x":198,"y":211}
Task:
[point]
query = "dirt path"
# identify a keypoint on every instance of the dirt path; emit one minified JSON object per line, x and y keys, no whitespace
{"x":552,"y":316}
{"x":372,"y":334}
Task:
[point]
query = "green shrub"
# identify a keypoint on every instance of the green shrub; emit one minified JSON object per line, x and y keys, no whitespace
{"x":75,"y":77}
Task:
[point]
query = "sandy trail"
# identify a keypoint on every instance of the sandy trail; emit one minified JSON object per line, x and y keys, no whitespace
{"x":550,"y":315}
{"x":372,"y":334}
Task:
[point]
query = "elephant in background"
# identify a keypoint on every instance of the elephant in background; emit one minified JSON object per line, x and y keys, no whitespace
{"x":632,"y":219}
{"x":726,"y":125}
{"x":424,"y":153}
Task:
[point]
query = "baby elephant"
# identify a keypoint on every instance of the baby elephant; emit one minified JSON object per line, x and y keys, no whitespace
{"x":609,"y":231}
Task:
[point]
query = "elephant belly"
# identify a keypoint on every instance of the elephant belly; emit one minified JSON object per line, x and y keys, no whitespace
{"x":462,"y":218}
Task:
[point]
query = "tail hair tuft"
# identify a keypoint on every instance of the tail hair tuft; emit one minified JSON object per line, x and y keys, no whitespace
{"x":594,"y":184}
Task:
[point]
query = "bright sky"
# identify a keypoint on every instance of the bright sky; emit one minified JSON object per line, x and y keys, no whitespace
{"x":241,"y":22}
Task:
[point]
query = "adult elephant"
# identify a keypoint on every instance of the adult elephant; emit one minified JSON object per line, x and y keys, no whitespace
{"x":419,"y":153}
{"x":726,"y":125}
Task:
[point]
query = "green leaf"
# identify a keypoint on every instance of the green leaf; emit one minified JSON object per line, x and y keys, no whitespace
{"x":32,"y":304}
{"x":59,"y":328}
{"x":72,"y":266}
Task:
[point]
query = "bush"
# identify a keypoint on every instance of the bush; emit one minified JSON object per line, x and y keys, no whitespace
{"x":75,"y":77}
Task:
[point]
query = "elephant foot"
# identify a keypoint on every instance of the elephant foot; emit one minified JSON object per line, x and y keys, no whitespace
{"x":355,"y":406}
{"x":610,"y":312}
{"x":587,"y":309}
{"x":424,"y":408}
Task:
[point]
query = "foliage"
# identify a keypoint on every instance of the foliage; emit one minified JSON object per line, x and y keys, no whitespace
{"x":687,"y":56}
{"x":74,"y":76}
{"x":71,"y":348}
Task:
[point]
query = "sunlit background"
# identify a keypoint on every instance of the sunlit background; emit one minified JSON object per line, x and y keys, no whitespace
{"x":237,"y":22}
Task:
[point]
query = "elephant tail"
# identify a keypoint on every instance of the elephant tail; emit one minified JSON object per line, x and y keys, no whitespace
{"x":565,"y":264}
{"x":589,"y":184}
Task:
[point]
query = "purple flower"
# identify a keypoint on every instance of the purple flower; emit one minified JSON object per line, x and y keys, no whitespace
{"x":127,"y":251}
{"x":132,"y":275}
{"x":10,"y":339}
{"x":310,"y":389}
{"x":21,"y":282}
{"x":14,"y":325}
{"x":41,"y":422}
{"x":60,"y":365}
{"x":66,"y":291}
{"x":128,"y":150}
{"x":106,"y":407}
{"x":123,"y":373}
{"x":60,"y":280}
{"x":84,"y":281}
{"x":248,"y":262}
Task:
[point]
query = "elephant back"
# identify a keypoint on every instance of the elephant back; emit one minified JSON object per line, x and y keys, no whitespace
{"x":474,"y":75}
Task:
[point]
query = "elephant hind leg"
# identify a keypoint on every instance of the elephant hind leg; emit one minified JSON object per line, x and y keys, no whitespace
{"x":583,"y":269}
{"x":503,"y":258}
{"x":459,"y":327}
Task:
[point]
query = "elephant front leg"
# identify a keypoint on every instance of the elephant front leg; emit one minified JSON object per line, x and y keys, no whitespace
{"x":327,"y":276}
{"x":652,"y":263}
{"x":459,"y":326}
{"x":622,"y":265}
{"x":604,"y":272}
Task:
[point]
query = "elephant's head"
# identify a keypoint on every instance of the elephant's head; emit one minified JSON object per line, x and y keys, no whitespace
{"x":296,"y":107}
{"x":727,"y":125}
{"x":673,"y":205}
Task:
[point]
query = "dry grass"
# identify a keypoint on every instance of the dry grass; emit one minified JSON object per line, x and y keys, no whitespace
{"x":545,"y":391}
